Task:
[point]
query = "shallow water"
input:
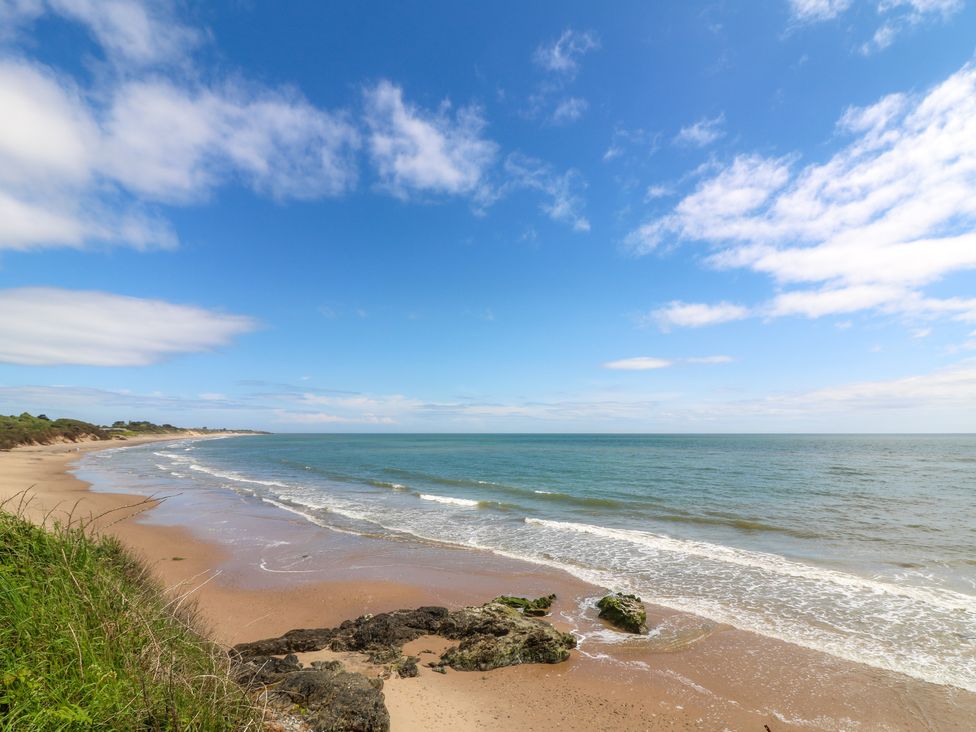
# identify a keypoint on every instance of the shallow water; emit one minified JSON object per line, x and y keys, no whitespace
{"x":860,"y":546}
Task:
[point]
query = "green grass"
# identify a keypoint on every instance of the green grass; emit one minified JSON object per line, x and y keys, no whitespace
{"x":88,"y":641}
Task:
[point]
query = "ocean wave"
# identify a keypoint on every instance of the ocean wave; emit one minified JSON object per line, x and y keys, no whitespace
{"x":450,"y":500}
{"x":945,"y":599}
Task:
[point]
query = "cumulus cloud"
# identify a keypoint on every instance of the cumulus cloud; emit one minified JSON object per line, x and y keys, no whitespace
{"x":702,"y":133}
{"x":563,"y":55}
{"x":169,"y":142}
{"x":415,"y":150}
{"x":892,"y":211}
{"x":79,"y":167}
{"x":50,"y":327}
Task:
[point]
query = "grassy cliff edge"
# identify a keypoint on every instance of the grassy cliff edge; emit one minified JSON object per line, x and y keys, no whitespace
{"x":89,"y":641}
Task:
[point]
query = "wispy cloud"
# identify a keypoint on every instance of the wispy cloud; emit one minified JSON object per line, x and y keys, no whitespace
{"x":638,"y":363}
{"x":129,"y":31}
{"x":896,"y":16}
{"x":50,"y":327}
{"x":703,"y":132}
{"x":563,"y":55}
{"x":648,"y":363}
{"x":563,"y":191}
{"x":903,"y":15}
{"x":891,"y":212}
{"x":419,"y":151}
{"x":807,"y":11}
{"x":569,"y":110}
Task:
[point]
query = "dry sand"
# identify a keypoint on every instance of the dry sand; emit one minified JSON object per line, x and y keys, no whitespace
{"x":707,"y":677}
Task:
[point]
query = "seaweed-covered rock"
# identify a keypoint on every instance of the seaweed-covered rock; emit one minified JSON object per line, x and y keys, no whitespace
{"x":495,"y":635}
{"x":624,"y":611}
{"x":406,"y":667}
{"x":333,"y":700}
{"x":537,"y":608}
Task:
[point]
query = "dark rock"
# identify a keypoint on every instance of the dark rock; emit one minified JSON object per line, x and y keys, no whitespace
{"x":495,"y":635}
{"x":382,"y":636}
{"x":294,"y":641}
{"x":538,"y":607}
{"x":332,"y":700}
{"x":625,"y":612}
{"x":258,"y":671}
{"x":406,"y":667}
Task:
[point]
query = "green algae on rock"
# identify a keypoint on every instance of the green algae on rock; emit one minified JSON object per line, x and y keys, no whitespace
{"x":537,"y":608}
{"x":624,"y":611}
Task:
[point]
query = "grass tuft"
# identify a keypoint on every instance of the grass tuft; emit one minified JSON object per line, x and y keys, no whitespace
{"x":88,"y":641}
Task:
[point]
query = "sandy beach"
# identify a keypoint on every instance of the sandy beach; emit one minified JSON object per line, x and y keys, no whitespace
{"x":699,"y":676}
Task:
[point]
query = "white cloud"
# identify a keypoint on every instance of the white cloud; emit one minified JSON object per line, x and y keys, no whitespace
{"x":703,"y":132}
{"x":902,"y":15}
{"x":833,"y":301}
{"x":173,"y":143}
{"x":638,"y":363}
{"x":564,"y":191}
{"x":74,"y":170}
{"x":695,"y":315}
{"x":564,"y":54}
{"x":817,"y":10}
{"x":657,"y":191}
{"x":324,"y":418}
{"x":891,"y":212}
{"x":569,"y":110}
{"x":49,"y":326}
{"x":646,"y":363}
{"x":428,"y":152}
{"x":129,"y":31}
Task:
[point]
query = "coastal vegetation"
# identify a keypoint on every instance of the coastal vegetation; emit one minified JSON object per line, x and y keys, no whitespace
{"x":26,"y":429}
{"x":89,"y":641}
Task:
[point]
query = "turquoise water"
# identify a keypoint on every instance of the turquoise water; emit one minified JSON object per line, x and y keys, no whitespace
{"x":860,"y":546}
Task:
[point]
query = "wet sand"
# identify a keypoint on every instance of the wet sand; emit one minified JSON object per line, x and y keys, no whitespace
{"x":257,"y":571}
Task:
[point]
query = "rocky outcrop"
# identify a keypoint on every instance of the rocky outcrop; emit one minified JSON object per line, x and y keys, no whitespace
{"x":328,"y":698}
{"x":489,"y":636}
{"x":495,"y":635}
{"x":625,"y":612}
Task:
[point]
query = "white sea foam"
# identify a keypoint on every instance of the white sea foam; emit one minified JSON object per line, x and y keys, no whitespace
{"x":450,"y":500}
{"x":946,"y":599}
{"x":237,"y":478}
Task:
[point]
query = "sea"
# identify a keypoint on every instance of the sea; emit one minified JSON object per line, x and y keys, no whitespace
{"x":860,"y":546}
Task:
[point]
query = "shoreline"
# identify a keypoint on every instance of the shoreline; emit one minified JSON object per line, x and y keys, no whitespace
{"x":711,"y":677}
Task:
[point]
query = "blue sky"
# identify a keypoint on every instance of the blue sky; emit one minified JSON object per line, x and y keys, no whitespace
{"x":442,"y":217}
